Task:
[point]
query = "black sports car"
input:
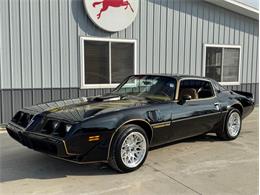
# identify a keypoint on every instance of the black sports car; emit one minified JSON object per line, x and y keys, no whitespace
{"x":142,"y":112}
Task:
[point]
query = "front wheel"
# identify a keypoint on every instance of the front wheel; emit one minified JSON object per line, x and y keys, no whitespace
{"x":130,"y":149}
{"x":232,"y":125}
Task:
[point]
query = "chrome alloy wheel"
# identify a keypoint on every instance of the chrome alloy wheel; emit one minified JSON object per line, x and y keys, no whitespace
{"x":233,"y":124}
{"x":133,"y":149}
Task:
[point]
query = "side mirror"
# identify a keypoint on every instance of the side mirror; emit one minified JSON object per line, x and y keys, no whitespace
{"x":184,"y":99}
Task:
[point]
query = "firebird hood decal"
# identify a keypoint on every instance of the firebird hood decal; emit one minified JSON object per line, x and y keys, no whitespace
{"x":80,"y":109}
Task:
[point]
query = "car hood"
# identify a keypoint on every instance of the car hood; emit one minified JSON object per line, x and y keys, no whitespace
{"x":76,"y":110}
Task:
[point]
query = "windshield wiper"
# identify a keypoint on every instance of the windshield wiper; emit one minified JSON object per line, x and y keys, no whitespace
{"x":152,"y":99}
{"x":142,"y":98}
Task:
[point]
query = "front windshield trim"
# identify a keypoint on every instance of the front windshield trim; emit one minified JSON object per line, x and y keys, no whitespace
{"x":171,"y":97}
{"x":122,"y":83}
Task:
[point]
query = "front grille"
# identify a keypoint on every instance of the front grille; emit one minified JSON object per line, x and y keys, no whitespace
{"x":22,"y":119}
{"x":18,"y":136}
{"x":36,"y":144}
{"x":41,"y":146}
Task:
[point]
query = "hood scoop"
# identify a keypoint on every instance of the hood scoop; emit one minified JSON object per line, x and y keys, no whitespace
{"x":107,"y":98}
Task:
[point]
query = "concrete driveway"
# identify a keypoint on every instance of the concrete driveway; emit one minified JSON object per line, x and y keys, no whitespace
{"x":201,"y":165}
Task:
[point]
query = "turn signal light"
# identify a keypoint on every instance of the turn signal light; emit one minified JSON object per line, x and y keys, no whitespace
{"x":94,"y":138}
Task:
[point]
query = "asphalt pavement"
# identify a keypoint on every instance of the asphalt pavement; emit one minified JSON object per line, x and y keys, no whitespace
{"x":201,"y":165}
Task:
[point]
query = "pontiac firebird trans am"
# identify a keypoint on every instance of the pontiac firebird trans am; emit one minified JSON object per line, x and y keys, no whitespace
{"x":142,"y":112}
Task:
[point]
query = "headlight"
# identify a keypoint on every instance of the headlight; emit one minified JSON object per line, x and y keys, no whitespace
{"x":68,"y":127}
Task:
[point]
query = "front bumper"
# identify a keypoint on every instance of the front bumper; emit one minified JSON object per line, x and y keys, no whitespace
{"x":57,"y":147}
{"x":38,"y":142}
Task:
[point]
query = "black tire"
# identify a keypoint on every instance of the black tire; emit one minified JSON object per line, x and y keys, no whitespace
{"x":225,"y":133}
{"x":116,"y":161}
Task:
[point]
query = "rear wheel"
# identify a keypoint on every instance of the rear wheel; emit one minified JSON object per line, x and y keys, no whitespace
{"x":232,"y":125}
{"x":130,"y":149}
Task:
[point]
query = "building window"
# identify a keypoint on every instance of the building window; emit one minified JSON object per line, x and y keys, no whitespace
{"x":106,"y":62}
{"x":222,"y":63}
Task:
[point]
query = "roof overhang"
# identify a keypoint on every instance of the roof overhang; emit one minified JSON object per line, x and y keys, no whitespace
{"x":238,"y":7}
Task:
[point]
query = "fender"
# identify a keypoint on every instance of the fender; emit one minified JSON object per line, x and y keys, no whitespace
{"x":130,"y":121}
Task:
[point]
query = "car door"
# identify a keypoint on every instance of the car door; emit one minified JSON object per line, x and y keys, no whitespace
{"x":195,"y":116}
{"x":160,"y":119}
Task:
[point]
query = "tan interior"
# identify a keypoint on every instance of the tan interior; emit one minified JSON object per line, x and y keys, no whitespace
{"x":189,"y":91}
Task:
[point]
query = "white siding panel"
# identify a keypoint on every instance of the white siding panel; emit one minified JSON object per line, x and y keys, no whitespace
{"x":163,"y":31}
{"x":250,"y":51}
{"x":36,"y":44}
{"x":55,"y":44}
{"x":45,"y":44}
{"x":205,"y":26}
{"x":156,"y":38}
{"x":226,"y":27}
{"x":216,"y":26}
{"x":176,"y":31}
{"x":150,"y":45}
{"x":15,"y":43}
{"x":143,"y":33}
{"x":245,"y":53}
{"x":241,"y":38}
{"x":193,"y":41}
{"x":5,"y":73}
{"x":169,"y":37}
{"x":211,"y":24}
{"x":232,"y":29}
{"x":221,"y":26}
{"x":26,"y":54}
{"x":236,"y":29}
{"x":255,"y":54}
{"x":187,"y":38}
{"x":73,"y":48}
{"x":199,"y":42}
{"x":136,"y":31}
{"x":64,"y":44}
{"x":182,"y":31}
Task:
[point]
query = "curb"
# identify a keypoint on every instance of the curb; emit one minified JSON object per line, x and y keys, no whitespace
{"x":2,"y":127}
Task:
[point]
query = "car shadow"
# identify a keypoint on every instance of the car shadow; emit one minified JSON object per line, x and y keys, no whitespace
{"x":199,"y":138}
{"x":33,"y":165}
{"x":21,"y":163}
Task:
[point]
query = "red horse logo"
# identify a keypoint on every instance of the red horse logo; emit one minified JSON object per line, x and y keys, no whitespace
{"x":112,"y":3}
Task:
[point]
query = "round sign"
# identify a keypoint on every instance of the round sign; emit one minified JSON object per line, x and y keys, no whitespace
{"x":112,"y":15}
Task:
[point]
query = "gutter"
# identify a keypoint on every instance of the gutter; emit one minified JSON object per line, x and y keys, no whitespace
{"x":237,"y":7}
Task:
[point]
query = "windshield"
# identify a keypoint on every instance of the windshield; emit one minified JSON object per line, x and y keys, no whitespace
{"x":152,"y":87}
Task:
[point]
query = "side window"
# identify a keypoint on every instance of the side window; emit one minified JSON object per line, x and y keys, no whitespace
{"x":197,"y":89}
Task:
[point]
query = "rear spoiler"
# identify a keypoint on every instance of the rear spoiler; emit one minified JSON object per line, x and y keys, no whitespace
{"x":246,"y":94}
